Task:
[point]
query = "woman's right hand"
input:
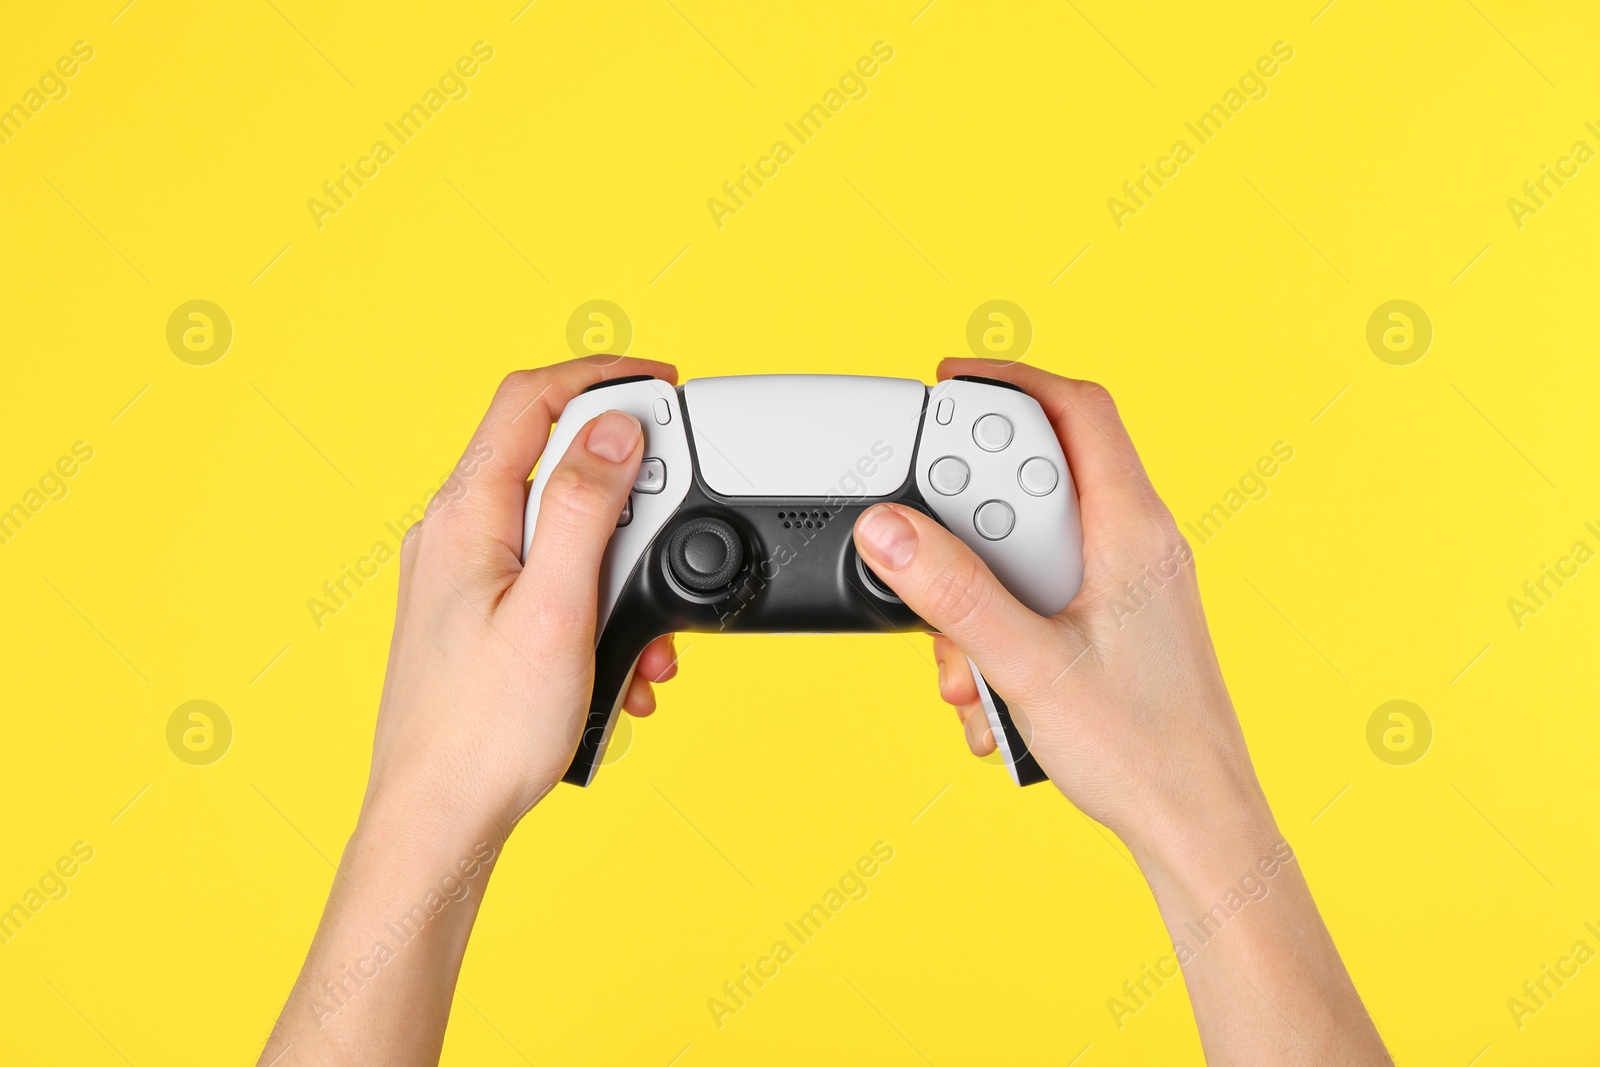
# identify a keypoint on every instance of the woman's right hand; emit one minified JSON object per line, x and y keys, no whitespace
{"x":1119,"y":696}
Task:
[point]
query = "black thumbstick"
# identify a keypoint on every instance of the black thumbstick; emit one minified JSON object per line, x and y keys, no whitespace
{"x":705,"y":554}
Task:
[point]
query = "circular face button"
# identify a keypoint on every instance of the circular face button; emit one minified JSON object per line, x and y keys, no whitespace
{"x":992,"y":432}
{"x":1038,"y":476}
{"x":948,"y":476}
{"x":994,"y":519}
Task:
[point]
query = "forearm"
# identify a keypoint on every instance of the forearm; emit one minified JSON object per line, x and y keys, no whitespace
{"x":1264,"y":978}
{"x":378,"y":982}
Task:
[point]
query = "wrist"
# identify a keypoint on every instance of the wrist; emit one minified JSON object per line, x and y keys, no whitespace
{"x":410,"y":832}
{"x":402,"y":876}
{"x":429,"y":812}
{"x":1198,"y":857}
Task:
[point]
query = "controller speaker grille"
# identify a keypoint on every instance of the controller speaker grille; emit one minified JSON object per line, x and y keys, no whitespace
{"x":815,"y":519}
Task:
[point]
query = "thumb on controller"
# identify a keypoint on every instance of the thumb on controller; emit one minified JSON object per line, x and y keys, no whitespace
{"x":583,"y":499}
{"x":945,"y":582}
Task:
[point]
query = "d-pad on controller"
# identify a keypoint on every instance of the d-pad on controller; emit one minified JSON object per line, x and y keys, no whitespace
{"x":652,"y":479}
{"x":705,"y":555}
{"x":652,"y":476}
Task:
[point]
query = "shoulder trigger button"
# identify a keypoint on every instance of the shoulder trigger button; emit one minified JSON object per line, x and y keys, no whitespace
{"x":980,"y":380}
{"x":609,"y":382}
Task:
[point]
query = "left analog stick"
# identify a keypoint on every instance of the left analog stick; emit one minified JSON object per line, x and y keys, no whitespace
{"x":705,"y":554}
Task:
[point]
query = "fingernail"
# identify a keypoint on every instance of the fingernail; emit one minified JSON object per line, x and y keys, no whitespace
{"x":612,"y":436}
{"x":887,"y":537}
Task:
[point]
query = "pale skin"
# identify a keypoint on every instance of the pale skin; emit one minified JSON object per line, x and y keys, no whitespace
{"x":491,"y":666}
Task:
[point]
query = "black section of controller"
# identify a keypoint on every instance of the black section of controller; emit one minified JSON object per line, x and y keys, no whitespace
{"x":797,"y":572}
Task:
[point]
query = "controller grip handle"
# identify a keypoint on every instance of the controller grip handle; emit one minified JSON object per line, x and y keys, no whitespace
{"x":1024,"y":769}
{"x":615,"y":657}
{"x":597,"y":727}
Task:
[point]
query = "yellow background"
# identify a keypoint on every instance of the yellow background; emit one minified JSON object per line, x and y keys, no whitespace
{"x":1225,"y":316}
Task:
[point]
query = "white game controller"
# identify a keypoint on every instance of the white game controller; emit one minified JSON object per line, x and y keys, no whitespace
{"x":741,"y":517}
